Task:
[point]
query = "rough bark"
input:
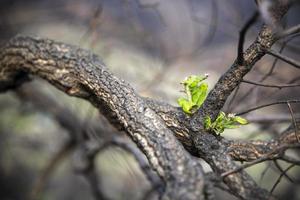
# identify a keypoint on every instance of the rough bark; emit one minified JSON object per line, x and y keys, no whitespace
{"x":79,"y":73}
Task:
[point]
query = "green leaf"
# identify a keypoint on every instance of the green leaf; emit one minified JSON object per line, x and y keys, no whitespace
{"x":185,"y":105}
{"x":240,"y":120}
{"x":199,"y":94}
{"x":220,"y":118}
{"x":195,"y":92}
{"x":224,"y":121}
{"x":231,"y":126}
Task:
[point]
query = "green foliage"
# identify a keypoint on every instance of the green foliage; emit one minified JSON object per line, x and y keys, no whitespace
{"x":223,"y":122}
{"x":196,"y":91}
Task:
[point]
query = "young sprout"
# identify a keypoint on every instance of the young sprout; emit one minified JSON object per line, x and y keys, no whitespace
{"x":196,"y":91}
{"x":223,"y":121}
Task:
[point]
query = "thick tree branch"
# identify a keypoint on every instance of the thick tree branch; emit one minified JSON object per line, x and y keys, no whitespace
{"x":79,"y":73}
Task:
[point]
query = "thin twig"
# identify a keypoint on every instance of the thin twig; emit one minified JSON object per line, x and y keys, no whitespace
{"x":290,"y":31}
{"x":286,"y":59}
{"x":284,"y":44}
{"x":283,"y":171}
{"x":280,"y":177}
{"x":266,"y":105}
{"x":248,"y":24}
{"x":290,"y":160}
{"x":294,"y":121}
{"x":274,"y":154}
{"x":271,"y":85}
{"x":262,"y":159}
{"x":275,"y":61}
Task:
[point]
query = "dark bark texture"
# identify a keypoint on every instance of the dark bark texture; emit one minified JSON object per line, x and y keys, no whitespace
{"x":82,"y":74}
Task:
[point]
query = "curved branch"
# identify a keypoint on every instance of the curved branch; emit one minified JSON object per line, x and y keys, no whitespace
{"x":79,"y":73}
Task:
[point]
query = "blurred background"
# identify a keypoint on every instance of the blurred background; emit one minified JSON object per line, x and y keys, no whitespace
{"x":153,"y":45}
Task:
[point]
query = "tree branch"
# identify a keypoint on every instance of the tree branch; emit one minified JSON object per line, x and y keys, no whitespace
{"x":288,"y":32}
{"x":271,"y":85}
{"x":286,"y":59}
{"x":79,"y":73}
{"x":248,"y":24}
{"x":267,"y":105}
{"x":255,"y":149}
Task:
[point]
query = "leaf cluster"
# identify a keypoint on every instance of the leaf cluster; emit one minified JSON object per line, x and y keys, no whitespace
{"x":196,"y":91}
{"x":224,"y":121}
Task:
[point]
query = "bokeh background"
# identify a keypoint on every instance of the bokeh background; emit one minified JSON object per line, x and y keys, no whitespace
{"x":153,"y":45}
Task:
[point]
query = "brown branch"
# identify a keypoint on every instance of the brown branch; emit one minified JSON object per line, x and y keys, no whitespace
{"x":79,"y":73}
